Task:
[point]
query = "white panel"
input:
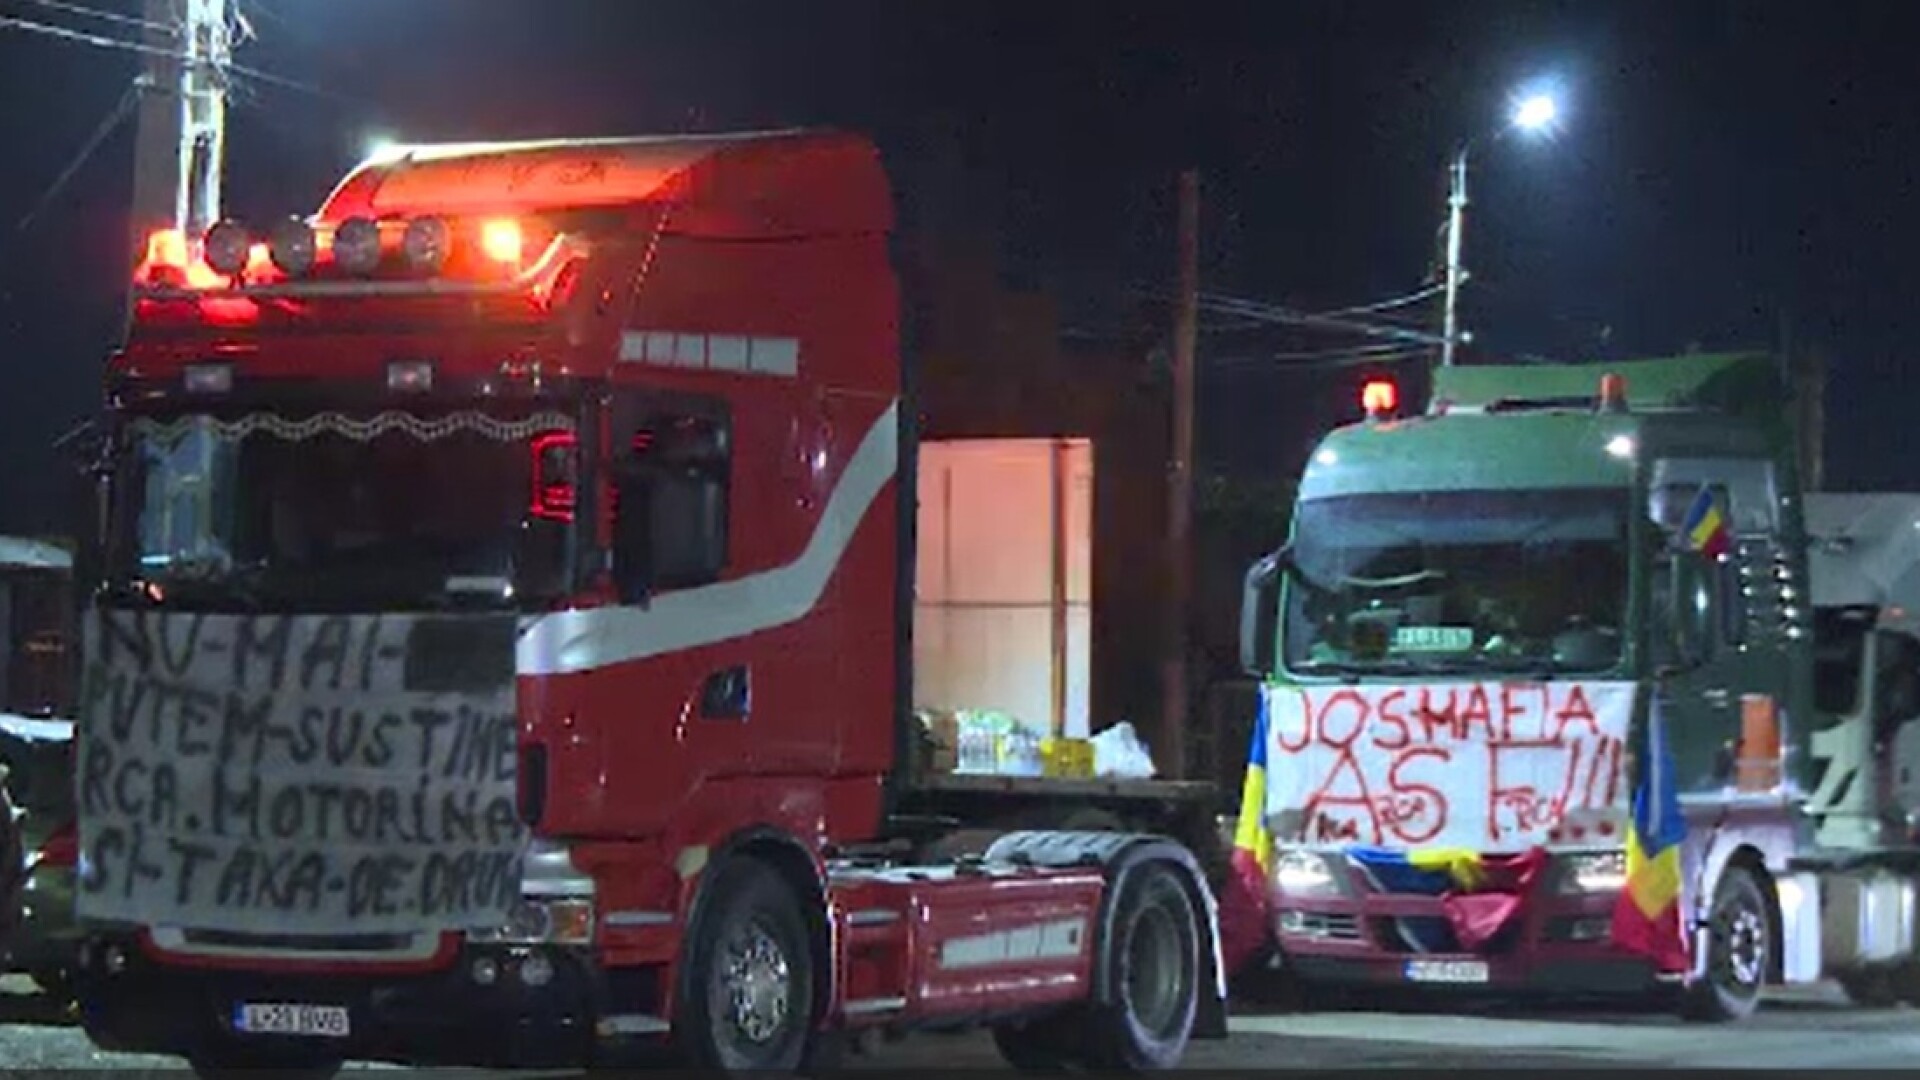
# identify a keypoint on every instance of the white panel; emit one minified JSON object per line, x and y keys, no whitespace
{"x":690,"y":350}
{"x":984,"y":578}
{"x":775,"y":356}
{"x":633,"y":347}
{"x":660,"y":347}
{"x":726,"y":353}
{"x":1079,"y":672}
{"x":985,"y":658}
{"x":1002,"y":523}
{"x":932,"y":565}
{"x":1079,"y":523}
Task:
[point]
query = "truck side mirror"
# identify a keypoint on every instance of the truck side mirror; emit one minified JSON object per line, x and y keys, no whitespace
{"x":1693,"y":608}
{"x":1260,"y":613}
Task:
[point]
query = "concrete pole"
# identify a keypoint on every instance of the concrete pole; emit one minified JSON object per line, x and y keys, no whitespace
{"x":1456,"y":219}
{"x":1177,"y":704}
{"x":182,"y":137}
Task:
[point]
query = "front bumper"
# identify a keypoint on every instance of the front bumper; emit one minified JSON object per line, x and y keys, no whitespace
{"x":131,"y":1002}
{"x":1361,"y":937}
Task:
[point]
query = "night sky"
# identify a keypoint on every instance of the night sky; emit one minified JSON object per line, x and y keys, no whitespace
{"x":1724,"y":169}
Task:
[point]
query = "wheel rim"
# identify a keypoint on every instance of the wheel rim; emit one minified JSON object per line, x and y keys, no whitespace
{"x":1745,"y":943}
{"x":755,"y":985}
{"x":1155,"y":982}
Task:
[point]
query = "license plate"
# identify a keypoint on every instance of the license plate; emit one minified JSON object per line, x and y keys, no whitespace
{"x":285,"y":1018}
{"x":1447,"y":971}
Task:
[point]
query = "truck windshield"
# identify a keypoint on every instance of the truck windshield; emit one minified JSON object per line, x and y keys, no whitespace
{"x":1520,"y":582}
{"x":325,"y":510}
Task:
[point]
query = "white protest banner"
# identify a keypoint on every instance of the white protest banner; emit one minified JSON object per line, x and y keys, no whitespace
{"x":297,"y":774}
{"x":1487,"y":766}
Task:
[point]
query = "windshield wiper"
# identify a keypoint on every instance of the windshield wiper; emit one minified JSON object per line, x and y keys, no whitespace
{"x":1466,"y":664}
{"x":208,"y":577}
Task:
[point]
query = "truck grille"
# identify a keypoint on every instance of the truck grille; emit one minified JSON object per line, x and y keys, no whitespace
{"x":1320,"y":925}
{"x":367,"y":944}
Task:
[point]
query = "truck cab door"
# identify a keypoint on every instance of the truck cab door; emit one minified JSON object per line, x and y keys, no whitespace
{"x":1729,"y":610}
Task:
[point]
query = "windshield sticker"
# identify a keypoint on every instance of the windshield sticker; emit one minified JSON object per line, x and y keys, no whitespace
{"x":1433,"y":639}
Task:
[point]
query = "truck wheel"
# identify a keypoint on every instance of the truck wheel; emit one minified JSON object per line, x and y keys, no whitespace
{"x":746,"y":986}
{"x":1739,"y":951}
{"x":1143,"y":1015}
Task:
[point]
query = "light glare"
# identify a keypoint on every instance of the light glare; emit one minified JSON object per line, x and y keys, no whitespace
{"x":1535,"y":113}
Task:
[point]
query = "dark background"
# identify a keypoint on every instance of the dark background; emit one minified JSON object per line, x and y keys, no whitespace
{"x":1725,"y":170}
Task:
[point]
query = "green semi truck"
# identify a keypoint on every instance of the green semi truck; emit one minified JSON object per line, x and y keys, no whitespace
{"x":1543,"y":701}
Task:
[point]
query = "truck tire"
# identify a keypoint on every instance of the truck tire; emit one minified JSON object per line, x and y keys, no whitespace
{"x":1739,"y":951}
{"x":746,"y":983}
{"x":1148,"y":994}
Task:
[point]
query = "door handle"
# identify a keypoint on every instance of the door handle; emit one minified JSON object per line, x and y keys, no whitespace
{"x":727,"y":694}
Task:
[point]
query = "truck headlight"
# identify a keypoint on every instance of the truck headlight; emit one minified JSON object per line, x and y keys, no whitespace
{"x":564,"y":920}
{"x":1302,"y":873}
{"x":1605,"y":872}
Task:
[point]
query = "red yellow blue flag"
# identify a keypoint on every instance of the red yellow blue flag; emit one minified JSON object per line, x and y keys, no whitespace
{"x":1243,"y":903}
{"x":1647,"y":917}
{"x":1705,"y":528}
{"x":1252,"y":844}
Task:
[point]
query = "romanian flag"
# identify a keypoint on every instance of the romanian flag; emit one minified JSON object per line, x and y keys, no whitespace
{"x":1481,"y":895}
{"x":1243,"y":904}
{"x":1706,"y":526}
{"x":1646,"y":920}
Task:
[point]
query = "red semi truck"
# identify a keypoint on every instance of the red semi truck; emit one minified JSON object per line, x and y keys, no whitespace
{"x":498,"y":646}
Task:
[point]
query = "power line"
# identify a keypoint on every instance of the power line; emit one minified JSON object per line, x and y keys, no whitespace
{"x":1288,"y":317}
{"x":82,"y":37}
{"x":1387,"y":305}
{"x":128,"y":101}
{"x":86,"y":12}
{"x":1322,"y":359}
{"x":101,"y":41}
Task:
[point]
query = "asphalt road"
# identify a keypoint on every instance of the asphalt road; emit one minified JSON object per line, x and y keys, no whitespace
{"x":1805,"y":1029}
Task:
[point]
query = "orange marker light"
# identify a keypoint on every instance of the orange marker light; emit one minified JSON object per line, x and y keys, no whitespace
{"x":500,"y":240}
{"x":202,"y":276}
{"x":167,"y":247}
{"x":1379,"y":397}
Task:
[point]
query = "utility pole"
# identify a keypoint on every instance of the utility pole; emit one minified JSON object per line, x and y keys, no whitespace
{"x":1456,"y":217}
{"x":1177,"y":703}
{"x":182,"y":138}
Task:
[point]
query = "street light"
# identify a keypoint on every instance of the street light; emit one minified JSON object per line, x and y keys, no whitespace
{"x":1534,"y":114}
